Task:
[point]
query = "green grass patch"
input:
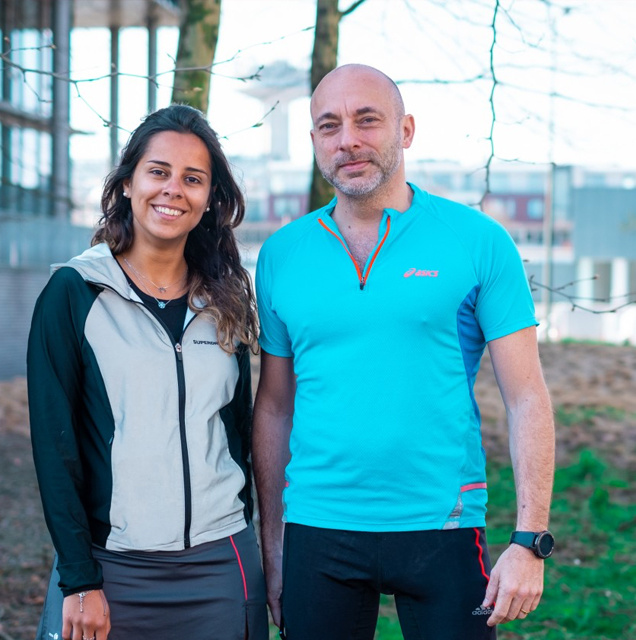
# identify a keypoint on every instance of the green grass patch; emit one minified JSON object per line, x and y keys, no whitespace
{"x":569,"y":415}
{"x":590,"y":590}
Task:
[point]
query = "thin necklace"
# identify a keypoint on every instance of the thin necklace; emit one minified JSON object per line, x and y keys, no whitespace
{"x":160,"y":288}
{"x":160,"y":303}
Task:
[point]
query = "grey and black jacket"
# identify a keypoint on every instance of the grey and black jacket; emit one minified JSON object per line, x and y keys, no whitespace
{"x":140,"y":443}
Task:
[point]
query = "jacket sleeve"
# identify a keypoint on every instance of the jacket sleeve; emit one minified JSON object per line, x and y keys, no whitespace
{"x":55,"y":376}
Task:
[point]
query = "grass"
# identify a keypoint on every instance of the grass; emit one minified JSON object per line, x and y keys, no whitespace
{"x":571,"y":415}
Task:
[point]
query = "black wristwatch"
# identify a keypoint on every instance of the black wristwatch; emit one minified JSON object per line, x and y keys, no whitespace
{"x":540,"y":542}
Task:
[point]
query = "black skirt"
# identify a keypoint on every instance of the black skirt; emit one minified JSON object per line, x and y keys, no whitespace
{"x":213,"y":591}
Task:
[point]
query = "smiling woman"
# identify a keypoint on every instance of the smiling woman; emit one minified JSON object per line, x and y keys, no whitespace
{"x":169,"y":191}
{"x":140,"y":403}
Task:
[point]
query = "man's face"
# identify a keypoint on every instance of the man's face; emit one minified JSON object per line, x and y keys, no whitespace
{"x":358,"y":132}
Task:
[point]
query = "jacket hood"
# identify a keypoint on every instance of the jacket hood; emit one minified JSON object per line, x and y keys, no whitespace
{"x":97,"y":265}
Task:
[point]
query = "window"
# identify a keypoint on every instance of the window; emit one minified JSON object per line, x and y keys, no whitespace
{"x":535,"y":209}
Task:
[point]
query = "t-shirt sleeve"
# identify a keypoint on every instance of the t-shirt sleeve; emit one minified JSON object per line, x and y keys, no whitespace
{"x":273,"y":337}
{"x":504,"y":304}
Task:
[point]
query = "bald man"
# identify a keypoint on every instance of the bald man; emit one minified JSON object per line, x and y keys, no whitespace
{"x":375,"y":311}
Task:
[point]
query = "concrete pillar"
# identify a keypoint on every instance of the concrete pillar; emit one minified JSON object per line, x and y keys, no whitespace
{"x":620,"y":282}
{"x":5,"y":138}
{"x":114,"y":95}
{"x":584,"y":276}
{"x":279,"y":119}
{"x":152,"y":58}
{"x":61,"y":175}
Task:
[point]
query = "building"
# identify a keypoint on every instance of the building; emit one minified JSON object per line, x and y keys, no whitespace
{"x":36,"y":204}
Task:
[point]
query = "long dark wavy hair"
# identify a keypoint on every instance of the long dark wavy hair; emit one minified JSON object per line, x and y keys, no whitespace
{"x":215,"y":274}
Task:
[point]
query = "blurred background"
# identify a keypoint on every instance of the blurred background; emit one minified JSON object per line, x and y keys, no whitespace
{"x":523,"y":108}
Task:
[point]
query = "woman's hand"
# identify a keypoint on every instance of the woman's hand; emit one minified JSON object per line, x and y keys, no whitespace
{"x":86,"y":616}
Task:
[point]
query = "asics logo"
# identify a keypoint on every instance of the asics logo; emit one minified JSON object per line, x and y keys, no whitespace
{"x":421,"y":273}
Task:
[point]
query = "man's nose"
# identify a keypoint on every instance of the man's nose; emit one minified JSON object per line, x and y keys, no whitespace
{"x":349,"y":138}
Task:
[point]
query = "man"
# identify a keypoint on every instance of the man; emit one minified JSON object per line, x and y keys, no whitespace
{"x":375,"y":311}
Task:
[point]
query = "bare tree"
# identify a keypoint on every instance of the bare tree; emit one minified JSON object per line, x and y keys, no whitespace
{"x":324,"y":58}
{"x":200,"y":26}
{"x":198,"y":35}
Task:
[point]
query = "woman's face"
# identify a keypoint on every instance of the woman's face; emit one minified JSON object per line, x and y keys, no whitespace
{"x":170,"y":188}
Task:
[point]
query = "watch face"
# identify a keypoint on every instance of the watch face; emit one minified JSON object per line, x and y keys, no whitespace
{"x":545,"y":544}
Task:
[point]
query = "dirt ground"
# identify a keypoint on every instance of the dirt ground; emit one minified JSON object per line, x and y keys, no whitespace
{"x":593,"y":389}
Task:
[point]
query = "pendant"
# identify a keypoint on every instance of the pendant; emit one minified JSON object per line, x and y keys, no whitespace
{"x":162,"y":304}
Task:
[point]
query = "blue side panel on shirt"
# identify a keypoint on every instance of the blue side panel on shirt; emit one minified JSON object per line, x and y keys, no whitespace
{"x":471,"y":340}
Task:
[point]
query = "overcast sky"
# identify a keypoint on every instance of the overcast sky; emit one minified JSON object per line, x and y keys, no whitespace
{"x":581,"y":51}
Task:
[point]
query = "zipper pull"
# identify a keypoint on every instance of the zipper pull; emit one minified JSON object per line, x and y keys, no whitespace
{"x":362,"y":283}
{"x":179,"y":350}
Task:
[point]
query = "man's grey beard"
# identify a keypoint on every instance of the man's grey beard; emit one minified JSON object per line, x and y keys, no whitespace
{"x":386,"y":167}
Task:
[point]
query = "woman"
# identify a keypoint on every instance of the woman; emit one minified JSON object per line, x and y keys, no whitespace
{"x":140,"y":402}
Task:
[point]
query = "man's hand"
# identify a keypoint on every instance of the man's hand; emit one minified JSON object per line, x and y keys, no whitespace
{"x":273,"y":566}
{"x":273,"y":411}
{"x":86,"y":617}
{"x":516,"y":585}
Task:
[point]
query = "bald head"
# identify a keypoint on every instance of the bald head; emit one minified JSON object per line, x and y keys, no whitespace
{"x":343,"y":81}
{"x":360,"y":132}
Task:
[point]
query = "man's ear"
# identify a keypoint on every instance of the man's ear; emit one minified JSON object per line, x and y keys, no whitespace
{"x":408,"y":130}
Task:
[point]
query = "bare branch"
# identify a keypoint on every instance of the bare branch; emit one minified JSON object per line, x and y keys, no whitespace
{"x":256,"y":125}
{"x":351,"y":8}
{"x":573,"y":299}
{"x":480,"y":76}
{"x":491,"y":100}
{"x":238,"y":53}
{"x":562,"y":96}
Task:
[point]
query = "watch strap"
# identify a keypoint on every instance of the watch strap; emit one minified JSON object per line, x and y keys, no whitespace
{"x":524,"y":538}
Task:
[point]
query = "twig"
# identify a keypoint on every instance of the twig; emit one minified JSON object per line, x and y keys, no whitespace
{"x":572,"y":299}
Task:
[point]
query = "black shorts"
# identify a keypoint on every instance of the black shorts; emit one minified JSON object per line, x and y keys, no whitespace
{"x":332,"y":581}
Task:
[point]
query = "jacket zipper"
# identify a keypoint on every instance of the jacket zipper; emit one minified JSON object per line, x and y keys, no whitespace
{"x":362,"y":278}
{"x":185,"y":456}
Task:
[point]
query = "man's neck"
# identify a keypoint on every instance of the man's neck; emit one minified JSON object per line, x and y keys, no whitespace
{"x":360,"y":211}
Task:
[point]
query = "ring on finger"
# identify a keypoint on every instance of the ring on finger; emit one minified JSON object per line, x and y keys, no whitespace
{"x":525,"y":612}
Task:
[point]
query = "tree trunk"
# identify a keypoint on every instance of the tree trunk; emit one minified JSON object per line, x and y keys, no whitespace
{"x":198,"y":35}
{"x":324,"y":58}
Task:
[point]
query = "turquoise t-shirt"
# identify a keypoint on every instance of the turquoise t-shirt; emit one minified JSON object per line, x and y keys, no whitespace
{"x":386,"y":431}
